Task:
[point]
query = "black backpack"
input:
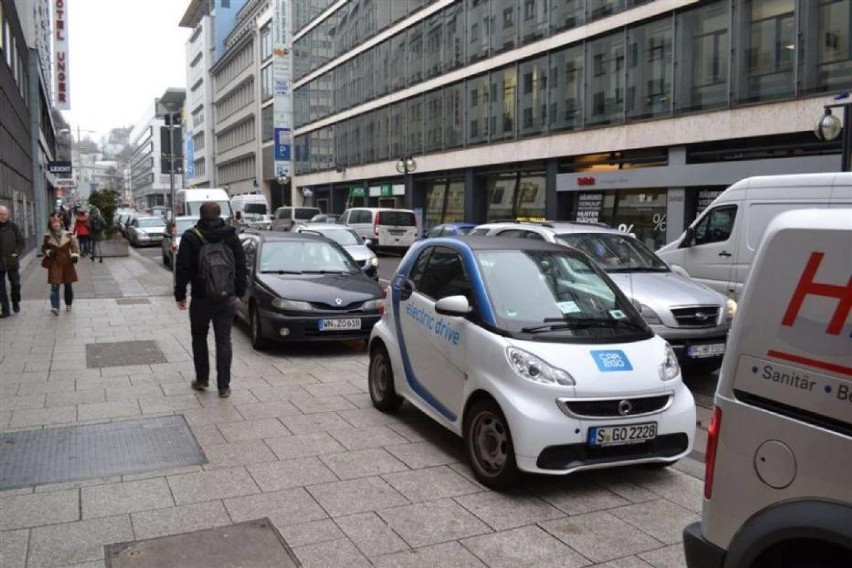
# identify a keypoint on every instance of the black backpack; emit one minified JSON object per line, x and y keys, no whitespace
{"x":217,"y":269}
{"x":96,"y":223}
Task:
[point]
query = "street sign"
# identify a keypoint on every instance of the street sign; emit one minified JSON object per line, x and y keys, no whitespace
{"x":65,"y":183}
{"x":63,"y":167}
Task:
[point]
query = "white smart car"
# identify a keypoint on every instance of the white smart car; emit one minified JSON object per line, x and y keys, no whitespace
{"x":532,"y":354}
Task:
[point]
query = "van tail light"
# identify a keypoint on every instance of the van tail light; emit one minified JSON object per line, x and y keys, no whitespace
{"x":382,"y":307}
{"x":376,"y":222}
{"x":710,"y":454}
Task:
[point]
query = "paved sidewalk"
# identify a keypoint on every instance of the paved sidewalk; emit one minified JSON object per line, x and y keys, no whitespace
{"x":298,"y":442}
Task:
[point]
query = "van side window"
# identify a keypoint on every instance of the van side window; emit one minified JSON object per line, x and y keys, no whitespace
{"x":716,"y":226}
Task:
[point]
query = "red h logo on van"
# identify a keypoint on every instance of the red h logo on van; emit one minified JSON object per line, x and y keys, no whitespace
{"x":807,"y":286}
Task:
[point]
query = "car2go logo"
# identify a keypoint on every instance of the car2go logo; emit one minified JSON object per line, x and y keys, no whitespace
{"x":609,"y":361}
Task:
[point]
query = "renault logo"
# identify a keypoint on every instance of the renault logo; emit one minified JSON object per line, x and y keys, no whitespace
{"x":338,"y":301}
{"x":625,"y":408}
{"x":701,"y":316}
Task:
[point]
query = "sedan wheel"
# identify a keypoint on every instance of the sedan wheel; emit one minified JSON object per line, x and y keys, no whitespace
{"x":380,"y":381}
{"x":488,"y":443}
{"x":258,"y":342}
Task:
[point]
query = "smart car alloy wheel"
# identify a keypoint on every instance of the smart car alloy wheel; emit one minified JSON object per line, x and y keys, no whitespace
{"x":380,"y":380}
{"x":489,"y":447}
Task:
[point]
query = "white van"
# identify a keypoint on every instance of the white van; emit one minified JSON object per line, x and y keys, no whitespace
{"x":188,"y":201}
{"x":387,"y":229}
{"x":778,"y":482}
{"x":253,"y":210}
{"x":718,"y":248}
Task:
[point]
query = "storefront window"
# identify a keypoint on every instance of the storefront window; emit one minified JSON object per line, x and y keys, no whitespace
{"x":513,"y":196}
{"x":704,"y":43}
{"x":638,"y":211}
{"x":444,"y":202}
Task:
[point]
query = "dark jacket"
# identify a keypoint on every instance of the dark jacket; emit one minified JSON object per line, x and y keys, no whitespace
{"x":186,"y":265}
{"x":11,"y":246}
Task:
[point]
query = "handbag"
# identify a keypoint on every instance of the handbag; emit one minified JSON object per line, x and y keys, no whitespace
{"x":47,"y":261}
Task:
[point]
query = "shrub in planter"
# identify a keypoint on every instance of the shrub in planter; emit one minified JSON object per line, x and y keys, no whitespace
{"x":106,"y":200}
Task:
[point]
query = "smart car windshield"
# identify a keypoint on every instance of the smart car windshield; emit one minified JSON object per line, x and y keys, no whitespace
{"x":556,"y":293}
{"x":614,"y":252}
{"x":305,"y":257}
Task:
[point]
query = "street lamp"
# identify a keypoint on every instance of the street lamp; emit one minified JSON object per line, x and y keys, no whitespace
{"x":283,"y":179}
{"x":406,"y":165}
{"x":828,"y":127}
{"x":169,"y":108}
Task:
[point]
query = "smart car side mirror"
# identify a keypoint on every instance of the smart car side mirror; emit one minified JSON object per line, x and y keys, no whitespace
{"x":453,"y":306}
{"x":406,"y":289}
{"x":688,"y":238}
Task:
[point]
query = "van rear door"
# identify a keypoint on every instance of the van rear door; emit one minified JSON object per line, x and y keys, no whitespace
{"x":397,"y":228}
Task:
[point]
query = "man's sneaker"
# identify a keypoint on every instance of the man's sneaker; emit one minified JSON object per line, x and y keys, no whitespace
{"x":4,"y":315}
{"x":224,"y":393}
{"x":54,"y":311}
{"x":199,"y":386}
{"x":67,"y":308}
{"x":16,"y":307}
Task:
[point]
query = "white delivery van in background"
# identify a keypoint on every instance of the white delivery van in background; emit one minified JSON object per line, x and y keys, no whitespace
{"x":253,"y":210}
{"x":188,"y":201}
{"x":778,"y":481}
{"x":718,"y":248}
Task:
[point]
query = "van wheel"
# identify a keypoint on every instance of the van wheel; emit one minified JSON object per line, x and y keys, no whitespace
{"x":380,"y":380}
{"x":258,"y":342}
{"x":489,"y":447}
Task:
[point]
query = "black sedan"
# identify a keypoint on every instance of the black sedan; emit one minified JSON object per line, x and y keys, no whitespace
{"x":304,"y":287}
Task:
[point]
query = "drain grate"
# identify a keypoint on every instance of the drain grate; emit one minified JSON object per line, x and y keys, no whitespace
{"x":121,"y":353}
{"x":254,"y":544}
{"x":131,"y":301}
{"x":37,"y":457}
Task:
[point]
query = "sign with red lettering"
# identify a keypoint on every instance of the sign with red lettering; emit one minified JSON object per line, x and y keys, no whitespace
{"x":585,"y":180}
{"x":61,"y":67}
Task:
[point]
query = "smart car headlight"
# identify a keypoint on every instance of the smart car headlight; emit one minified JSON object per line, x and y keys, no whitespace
{"x":649,"y":315}
{"x":291,"y":305}
{"x":669,"y":368}
{"x":535,"y":369}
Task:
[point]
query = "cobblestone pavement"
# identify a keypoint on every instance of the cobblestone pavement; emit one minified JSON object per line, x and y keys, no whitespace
{"x":297,"y":442}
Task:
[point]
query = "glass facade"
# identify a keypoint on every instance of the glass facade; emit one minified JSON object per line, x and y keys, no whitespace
{"x":679,"y":62}
{"x":444,"y":202}
{"x":515,"y":196}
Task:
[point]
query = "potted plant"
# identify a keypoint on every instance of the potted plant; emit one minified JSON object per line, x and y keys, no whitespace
{"x":106,"y":200}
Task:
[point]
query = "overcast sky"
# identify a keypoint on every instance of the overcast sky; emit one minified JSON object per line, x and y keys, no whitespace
{"x":123,"y":54}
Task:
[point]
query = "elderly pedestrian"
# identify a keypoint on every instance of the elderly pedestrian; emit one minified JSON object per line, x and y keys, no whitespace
{"x":11,"y":247}
{"x":60,"y":255}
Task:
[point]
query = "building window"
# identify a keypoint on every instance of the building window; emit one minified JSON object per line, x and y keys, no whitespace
{"x":414,"y":41}
{"x":267,"y":90}
{"x":454,"y":36}
{"x":477,"y":109}
{"x":703,"y":55}
{"x":533,"y":96}
{"x":414,"y":124}
{"x":453,"y":121}
{"x":266,"y":42}
{"x":535,"y":22}
{"x":649,"y":70}
{"x":504,"y":34}
{"x":827,"y":58}
{"x":432,"y":48}
{"x":566,"y":89}
{"x":769,"y":49}
{"x":503,"y":103}
{"x":605,"y":80}
{"x":478,"y":34}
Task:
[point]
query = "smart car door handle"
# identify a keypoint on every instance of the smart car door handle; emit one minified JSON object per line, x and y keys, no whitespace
{"x":724,"y":253}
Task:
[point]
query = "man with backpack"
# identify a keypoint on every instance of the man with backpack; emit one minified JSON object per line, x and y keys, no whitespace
{"x":211,"y":260}
{"x":97,"y":224}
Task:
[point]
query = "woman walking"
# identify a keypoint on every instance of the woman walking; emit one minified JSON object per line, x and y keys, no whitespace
{"x":60,"y":255}
{"x":81,"y":231}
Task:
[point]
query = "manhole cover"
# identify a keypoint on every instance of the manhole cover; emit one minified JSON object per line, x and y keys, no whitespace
{"x":37,"y":457}
{"x":254,"y":544}
{"x":121,"y":353}
{"x":131,"y":301}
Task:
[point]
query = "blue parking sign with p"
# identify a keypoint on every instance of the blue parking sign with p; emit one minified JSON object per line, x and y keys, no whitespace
{"x":610,"y":360}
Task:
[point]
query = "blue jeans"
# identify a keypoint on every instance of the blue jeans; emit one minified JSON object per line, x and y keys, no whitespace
{"x":54,"y":295}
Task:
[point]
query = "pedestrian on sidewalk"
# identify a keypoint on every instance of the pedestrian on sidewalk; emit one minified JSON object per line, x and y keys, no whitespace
{"x":60,"y":255}
{"x":211,"y":260}
{"x":11,"y":247}
{"x":96,"y":232}
{"x":81,"y":231}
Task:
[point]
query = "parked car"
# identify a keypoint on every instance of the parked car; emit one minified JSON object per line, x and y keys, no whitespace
{"x":304,"y":287}
{"x":146,"y":230}
{"x":532,"y":354}
{"x":172,"y":236}
{"x":286,"y":217}
{"x":324,"y":218}
{"x":123,"y":219}
{"x":693,"y":318}
{"x":389,"y":229}
{"x":449,"y":230}
{"x":357,"y":247}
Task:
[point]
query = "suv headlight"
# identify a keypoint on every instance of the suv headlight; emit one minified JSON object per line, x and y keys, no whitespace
{"x":292,"y":305}
{"x":374,"y":261}
{"x":535,"y":369}
{"x":649,"y":315}
{"x":372,"y":304}
{"x":730,"y":310}
{"x":669,"y":368}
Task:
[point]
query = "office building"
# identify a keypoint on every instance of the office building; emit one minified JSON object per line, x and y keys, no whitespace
{"x":635,"y":113}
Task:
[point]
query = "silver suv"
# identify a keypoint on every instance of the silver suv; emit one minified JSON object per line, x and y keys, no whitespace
{"x":693,"y":318}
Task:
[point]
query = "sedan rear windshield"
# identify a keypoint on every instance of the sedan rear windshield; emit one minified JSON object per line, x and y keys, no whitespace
{"x":397,"y":218}
{"x":305,"y":213}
